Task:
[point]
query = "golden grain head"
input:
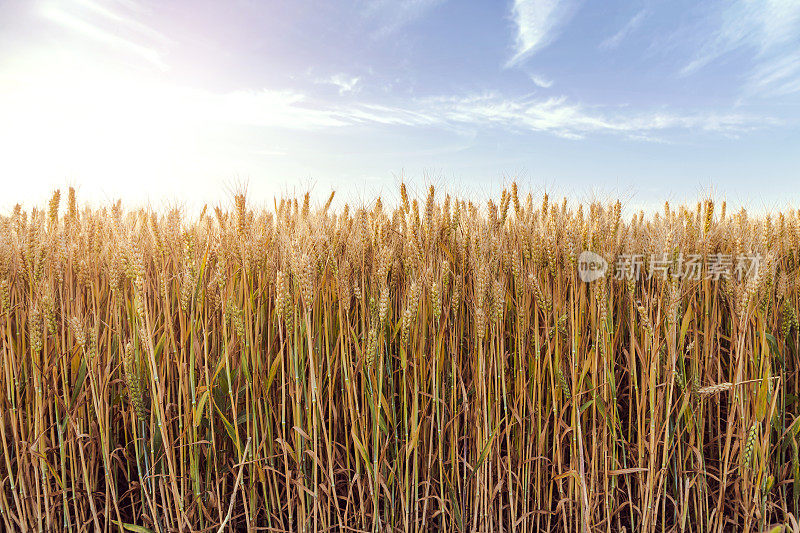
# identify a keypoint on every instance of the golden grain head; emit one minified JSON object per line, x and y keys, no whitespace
{"x":278,"y":362}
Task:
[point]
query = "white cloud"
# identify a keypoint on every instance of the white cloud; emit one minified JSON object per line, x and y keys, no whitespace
{"x":770,"y":30}
{"x":556,"y":116}
{"x":615,"y":40}
{"x":103,"y":25}
{"x":345,"y":84}
{"x":391,"y":15}
{"x":559,"y":117}
{"x":414,"y":115}
{"x":127,"y":20}
{"x":263,"y":108}
{"x":540,"y":81}
{"x":146,"y":132}
{"x":538,"y":22}
{"x":92,"y":120}
{"x":777,"y":77}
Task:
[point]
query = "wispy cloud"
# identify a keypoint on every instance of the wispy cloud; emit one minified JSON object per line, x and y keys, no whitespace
{"x":391,"y":15}
{"x":777,"y":77}
{"x":345,"y":83}
{"x":102,"y":24}
{"x":122,"y":14}
{"x":555,"y":116}
{"x":770,"y":30}
{"x":569,"y":120}
{"x":540,"y":81}
{"x":263,"y":108}
{"x":538,"y":23}
{"x":615,"y":40}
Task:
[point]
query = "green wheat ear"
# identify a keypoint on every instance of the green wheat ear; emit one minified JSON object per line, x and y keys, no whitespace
{"x":132,"y":381}
{"x":747,"y":453}
{"x":562,"y":381}
{"x":372,"y":344}
{"x":5,"y":298}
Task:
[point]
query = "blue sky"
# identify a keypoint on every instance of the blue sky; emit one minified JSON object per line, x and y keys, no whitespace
{"x":181,"y":101}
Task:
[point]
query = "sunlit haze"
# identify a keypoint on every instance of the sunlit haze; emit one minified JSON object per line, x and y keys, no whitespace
{"x":168,"y":102}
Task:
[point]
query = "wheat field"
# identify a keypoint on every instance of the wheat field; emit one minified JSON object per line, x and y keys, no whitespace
{"x":434,"y":366}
